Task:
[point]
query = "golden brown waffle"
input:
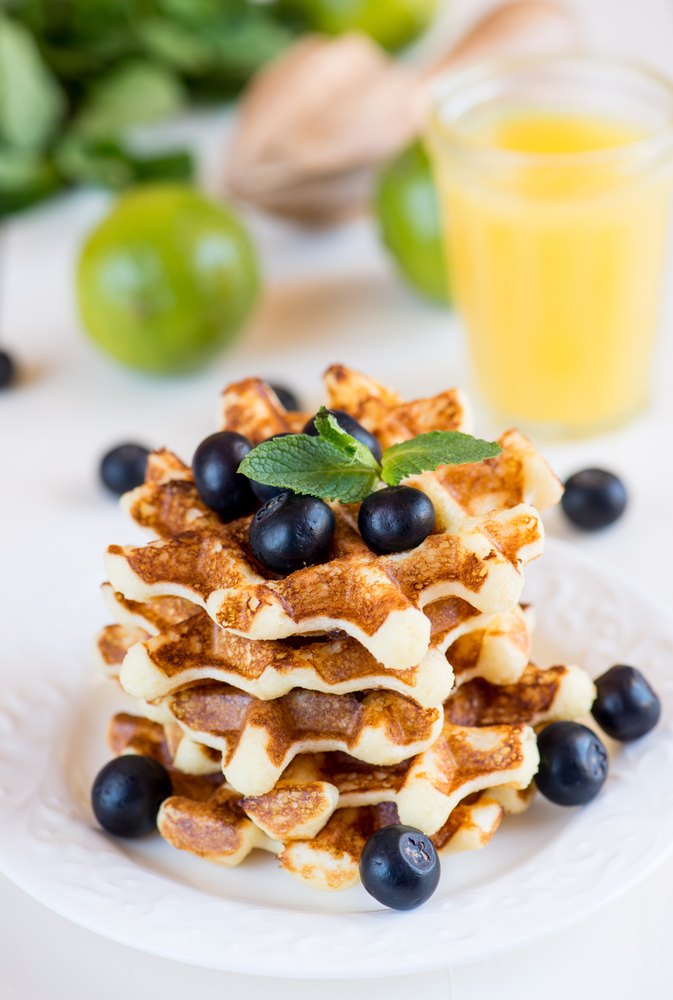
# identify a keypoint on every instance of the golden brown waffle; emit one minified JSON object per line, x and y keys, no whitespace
{"x":156,"y":653}
{"x":205,"y":818}
{"x":495,"y":647}
{"x":375,"y":599}
{"x":463,"y":760}
{"x":135,"y":734}
{"x":197,"y":650}
{"x":487,"y":529}
{"x":213,"y":715}
{"x":486,"y":742}
{"x":258,"y":739}
{"x":456,"y":782}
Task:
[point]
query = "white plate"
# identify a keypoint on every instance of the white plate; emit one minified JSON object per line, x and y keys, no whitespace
{"x":542,"y":870}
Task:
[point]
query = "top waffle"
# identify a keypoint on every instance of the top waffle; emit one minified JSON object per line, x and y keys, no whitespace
{"x":488,"y":528}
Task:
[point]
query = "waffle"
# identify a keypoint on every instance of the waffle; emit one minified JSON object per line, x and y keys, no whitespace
{"x":257,"y":740}
{"x":452,"y":789}
{"x":488,"y":528}
{"x":481,"y":747}
{"x":495,"y":647}
{"x":377,"y":600}
{"x":204,"y":817}
{"x":156,"y":655}
{"x":486,"y":742}
{"x":196,"y":650}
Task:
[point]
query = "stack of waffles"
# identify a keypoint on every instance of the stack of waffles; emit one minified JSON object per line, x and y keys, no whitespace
{"x":299,"y":714}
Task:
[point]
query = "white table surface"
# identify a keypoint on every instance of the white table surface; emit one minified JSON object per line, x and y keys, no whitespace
{"x":328,"y":297}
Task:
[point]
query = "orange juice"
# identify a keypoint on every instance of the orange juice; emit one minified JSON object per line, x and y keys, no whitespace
{"x":556,"y":246}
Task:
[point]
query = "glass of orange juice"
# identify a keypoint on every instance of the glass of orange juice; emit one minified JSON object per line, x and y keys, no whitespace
{"x":555,"y":179}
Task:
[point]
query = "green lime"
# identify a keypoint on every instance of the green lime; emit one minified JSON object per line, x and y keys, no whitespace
{"x":410,"y":222}
{"x":392,"y":23}
{"x":166,"y":279}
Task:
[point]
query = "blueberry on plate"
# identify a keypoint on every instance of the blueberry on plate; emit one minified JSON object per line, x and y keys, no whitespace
{"x":573,"y":764}
{"x":399,"y":867}
{"x":127,"y":794}
{"x":7,"y":370}
{"x":396,"y":519}
{"x":290,"y":532}
{"x":220,"y":485}
{"x":286,"y":396}
{"x":352,"y":427}
{"x":261,"y":490}
{"x":123,"y":467}
{"x":594,"y":498}
{"x":626,"y":707}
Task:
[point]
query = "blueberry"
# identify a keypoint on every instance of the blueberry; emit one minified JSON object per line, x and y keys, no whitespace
{"x":626,"y":707}
{"x":7,"y":370}
{"x":287,"y":397}
{"x":352,"y":427}
{"x":399,"y":867}
{"x":261,"y":490}
{"x":573,"y":764}
{"x":396,"y":518}
{"x":127,"y":793}
{"x":220,"y":486}
{"x":123,"y":468}
{"x":290,"y":532}
{"x":594,"y":498}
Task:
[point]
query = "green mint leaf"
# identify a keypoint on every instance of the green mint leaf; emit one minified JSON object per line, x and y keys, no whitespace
{"x":426,"y":452}
{"x":330,"y":430}
{"x":310,"y":465}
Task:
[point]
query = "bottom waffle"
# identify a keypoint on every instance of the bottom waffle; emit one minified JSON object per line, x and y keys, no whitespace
{"x":325,"y":806}
{"x":205,"y":817}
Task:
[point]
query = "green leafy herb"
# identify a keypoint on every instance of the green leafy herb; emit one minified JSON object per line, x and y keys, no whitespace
{"x":335,"y":466}
{"x":428,"y":451}
{"x":310,"y":465}
{"x":330,"y":430}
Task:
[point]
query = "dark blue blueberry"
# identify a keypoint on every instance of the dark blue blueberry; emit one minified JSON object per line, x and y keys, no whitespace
{"x":261,"y":490}
{"x":594,"y":498}
{"x":286,"y":396}
{"x":123,"y":468}
{"x":290,"y":532}
{"x":7,"y":370}
{"x":573,"y":764}
{"x":399,"y":867}
{"x":352,"y":427}
{"x":626,"y":707}
{"x":220,"y":486}
{"x":127,"y":794}
{"x":396,"y":518}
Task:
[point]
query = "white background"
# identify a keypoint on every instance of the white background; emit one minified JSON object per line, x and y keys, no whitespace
{"x":328,"y":297}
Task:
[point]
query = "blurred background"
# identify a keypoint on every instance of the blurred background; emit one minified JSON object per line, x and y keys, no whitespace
{"x":100,"y":101}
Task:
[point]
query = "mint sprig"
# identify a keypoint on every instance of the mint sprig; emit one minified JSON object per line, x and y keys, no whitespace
{"x":336,"y":466}
{"x":330,"y":430}
{"x":426,"y":452}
